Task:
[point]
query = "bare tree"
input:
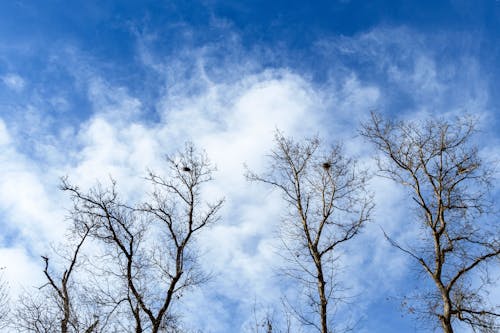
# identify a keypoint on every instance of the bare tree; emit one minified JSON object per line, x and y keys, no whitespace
{"x":325,"y":192}
{"x":35,"y":312}
{"x":4,"y":301}
{"x":59,"y":305}
{"x":449,"y":185}
{"x":268,"y":320}
{"x":61,"y":287}
{"x":150,"y":245}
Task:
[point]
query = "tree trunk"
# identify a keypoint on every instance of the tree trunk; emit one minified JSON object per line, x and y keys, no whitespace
{"x":66,"y":309}
{"x":446,"y":318}
{"x":446,"y":324}
{"x":323,"y":300}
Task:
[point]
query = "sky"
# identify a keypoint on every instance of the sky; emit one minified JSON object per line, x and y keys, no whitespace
{"x":90,"y":89}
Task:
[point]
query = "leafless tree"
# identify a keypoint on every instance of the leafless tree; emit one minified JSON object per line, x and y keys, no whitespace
{"x":35,"y":312}
{"x":328,"y":205}
{"x":59,"y":305}
{"x":151,"y":245}
{"x":265,"y":324}
{"x":61,"y":287}
{"x":4,"y":300}
{"x":269,"y":320}
{"x":449,"y":184}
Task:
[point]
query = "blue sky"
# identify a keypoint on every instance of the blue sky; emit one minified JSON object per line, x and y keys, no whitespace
{"x":89,"y":89}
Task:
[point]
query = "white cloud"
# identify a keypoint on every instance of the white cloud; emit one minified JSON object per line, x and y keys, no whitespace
{"x":59,"y":103}
{"x":113,"y":102}
{"x":29,"y":207}
{"x":14,"y":81}
{"x":20,"y":270}
{"x":4,"y":134}
{"x":413,"y":71}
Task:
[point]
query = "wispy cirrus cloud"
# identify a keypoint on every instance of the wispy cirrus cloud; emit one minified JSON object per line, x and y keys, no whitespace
{"x":14,"y":82}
